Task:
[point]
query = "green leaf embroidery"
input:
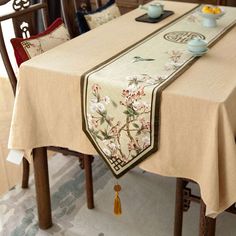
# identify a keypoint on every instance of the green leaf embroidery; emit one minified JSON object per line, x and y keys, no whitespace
{"x":135,"y":125}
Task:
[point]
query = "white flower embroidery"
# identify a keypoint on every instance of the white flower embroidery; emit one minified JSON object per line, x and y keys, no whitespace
{"x":112,"y":146}
{"x":107,"y":100}
{"x":146,"y":141}
{"x":97,"y":107}
{"x":107,"y":152}
{"x":100,"y":107}
{"x":92,"y":122}
{"x":138,"y":105}
{"x":93,"y":107}
{"x":136,"y":78}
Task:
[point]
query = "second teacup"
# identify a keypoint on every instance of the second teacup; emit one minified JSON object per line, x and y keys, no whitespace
{"x":197,"y":45}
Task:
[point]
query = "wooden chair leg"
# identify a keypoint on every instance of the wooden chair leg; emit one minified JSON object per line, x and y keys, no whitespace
{"x":25,"y":177}
{"x":89,"y":180}
{"x":42,"y":187}
{"x":179,"y":198}
{"x":207,"y":225}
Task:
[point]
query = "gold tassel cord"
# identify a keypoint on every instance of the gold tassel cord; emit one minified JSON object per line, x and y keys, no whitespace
{"x":117,"y":205}
{"x":117,"y":202}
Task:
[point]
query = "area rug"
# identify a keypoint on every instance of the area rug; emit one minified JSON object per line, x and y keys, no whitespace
{"x":147,"y":205}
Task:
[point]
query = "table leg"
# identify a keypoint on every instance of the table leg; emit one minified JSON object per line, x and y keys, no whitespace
{"x":25,"y":178}
{"x":42,"y":187}
{"x":89,"y":180}
{"x":206,"y":225}
{"x":179,"y":207}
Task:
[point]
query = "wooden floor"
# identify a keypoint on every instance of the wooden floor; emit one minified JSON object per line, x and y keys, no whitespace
{"x":10,"y":174}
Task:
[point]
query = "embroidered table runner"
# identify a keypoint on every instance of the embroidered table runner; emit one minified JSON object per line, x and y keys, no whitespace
{"x":121,"y":97}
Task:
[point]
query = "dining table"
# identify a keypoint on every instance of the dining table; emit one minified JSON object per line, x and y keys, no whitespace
{"x":197,"y":114}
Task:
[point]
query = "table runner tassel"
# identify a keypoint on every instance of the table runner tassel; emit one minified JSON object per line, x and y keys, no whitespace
{"x":117,"y":203}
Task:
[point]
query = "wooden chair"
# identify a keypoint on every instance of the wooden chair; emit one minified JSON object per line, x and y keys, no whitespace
{"x":25,"y":12}
{"x":69,"y":9}
{"x":183,"y":199}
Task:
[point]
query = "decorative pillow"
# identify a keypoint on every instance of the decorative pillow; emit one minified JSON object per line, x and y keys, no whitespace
{"x":54,"y":35}
{"x":91,"y":20}
{"x":100,"y":18}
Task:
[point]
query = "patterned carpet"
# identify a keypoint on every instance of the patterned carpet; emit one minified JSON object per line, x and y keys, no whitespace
{"x":147,"y":204}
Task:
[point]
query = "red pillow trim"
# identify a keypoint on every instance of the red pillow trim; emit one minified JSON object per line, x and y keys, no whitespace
{"x":19,"y":51}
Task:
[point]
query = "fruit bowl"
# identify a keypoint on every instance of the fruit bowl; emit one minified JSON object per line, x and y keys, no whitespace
{"x":210,"y":15}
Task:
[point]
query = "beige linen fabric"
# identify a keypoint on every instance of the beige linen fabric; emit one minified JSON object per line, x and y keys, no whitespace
{"x":199,"y":112}
{"x":198,"y":115}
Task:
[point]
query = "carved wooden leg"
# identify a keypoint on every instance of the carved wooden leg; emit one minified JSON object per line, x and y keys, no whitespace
{"x":179,"y":200}
{"x":89,"y":180}
{"x":206,"y":225}
{"x":42,"y":187}
{"x":81,"y":161}
{"x":25,"y":177}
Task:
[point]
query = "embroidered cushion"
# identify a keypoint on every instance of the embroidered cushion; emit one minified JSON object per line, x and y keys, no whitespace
{"x":91,"y":20}
{"x":54,"y":35}
{"x":100,"y":18}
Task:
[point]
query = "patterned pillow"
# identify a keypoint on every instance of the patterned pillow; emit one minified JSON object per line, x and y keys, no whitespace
{"x":100,"y":18}
{"x":83,"y":23}
{"x":54,"y":35}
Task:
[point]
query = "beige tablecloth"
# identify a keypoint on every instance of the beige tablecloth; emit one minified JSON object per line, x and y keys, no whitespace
{"x":198,"y":111}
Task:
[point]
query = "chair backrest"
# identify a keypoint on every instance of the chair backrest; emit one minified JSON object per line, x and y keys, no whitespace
{"x":221,"y":2}
{"x":24,"y":18}
{"x":69,"y":9}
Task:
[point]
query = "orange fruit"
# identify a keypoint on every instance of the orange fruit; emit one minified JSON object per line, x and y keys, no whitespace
{"x":216,"y":10}
{"x":207,"y":9}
